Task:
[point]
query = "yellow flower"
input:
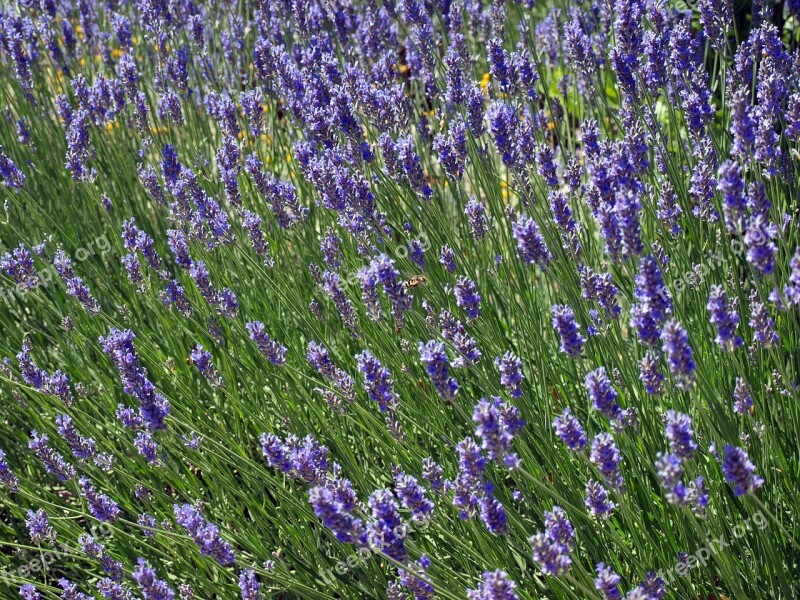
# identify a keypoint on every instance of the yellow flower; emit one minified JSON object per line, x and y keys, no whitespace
{"x":485,"y":80}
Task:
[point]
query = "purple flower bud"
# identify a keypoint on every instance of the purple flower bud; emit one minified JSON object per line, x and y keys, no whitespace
{"x":205,"y":534}
{"x":151,"y":588}
{"x":248,"y":585}
{"x":605,"y":456}
{"x":568,"y":330}
{"x":597,"y":500}
{"x":39,"y":528}
{"x":101,"y":506}
{"x":679,"y":354}
{"x":433,"y":356}
{"x":467,"y":297}
{"x":725,"y":318}
{"x":740,"y":472}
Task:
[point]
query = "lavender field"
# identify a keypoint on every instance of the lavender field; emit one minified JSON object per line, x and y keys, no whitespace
{"x":405,"y":299}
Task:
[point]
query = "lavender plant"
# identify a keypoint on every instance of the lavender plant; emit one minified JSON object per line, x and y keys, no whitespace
{"x":393,"y":299}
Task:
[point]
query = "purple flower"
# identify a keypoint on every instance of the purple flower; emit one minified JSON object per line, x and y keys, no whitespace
{"x":495,"y":586}
{"x":670,"y":471}
{"x":740,"y":472}
{"x":369,"y":293}
{"x":388,"y":276}
{"x":202,"y":360}
{"x":146,"y":446}
{"x":725,"y":317}
{"x":492,"y":512}
{"x":679,"y":354}
{"x":29,"y":592}
{"x":98,"y":551}
{"x":476,"y":214}
{"x":602,"y":393}
{"x":101,"y":506}
{"x":248,"y":585}
{"x":153,"y":407}
{"x":734,"y":205}
{"x":70,"y":591}
{"x":306,"y":460}
{"x":447,"y":258}
{"x":53,"y":461}
{"x":152,"y":588}
{"x":412,"y":580}
{"x":568,"y":330}
{"x":432,"y":474}
{"x":147,"y":523}
{"x":39,"y":528}
{"x":205,"y":534}
{"x":605,"y":456}
{"x":112,"y":590}
{"x":20,"y":267}
{"x":495,"y":435}
{"x":333,"y":287}
{"x":468,"y":484}
{"x":433,"y":356}
{"x":386,"y":530}
{"x":760,"y":247}
{"x":792,"y":289}
{"x":412,"y":167}
{"x":716,"y":17}
{"x":552,"y":548}
{"x":607,"y":583}
{"x":412,"y":495}
{"x":650,"y":375}
{"x":454,"y":331}
{"x":252,"y":223}
{"x":318,"y":357}
{"x":81,"y":447}
{"x":597,"y":500}
{"x":377,"y":381}
{"x":680,"y":435}
{"x":175,"y":294}
{"x":333,"y":504}
{"x":530,"y":243}
{"x":562,"y":215}
{"x":467,"y":297}
{"x":502,"y":123}
{"x":7,"y":477}
{"x":12,"y":176}
{"x":511,"y":375}
{"x":668,"y":210}
{"x":628,"y":209}
{"x":653,"y":302}
{"x":559,"y":528}
{"x":269,"y":347}
{"x":742,"y":399}
{"x":569,"y":431}
{"x":330,"y":245}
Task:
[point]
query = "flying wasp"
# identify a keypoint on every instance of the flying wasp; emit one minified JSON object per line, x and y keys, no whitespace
{"x":415,"y":281}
